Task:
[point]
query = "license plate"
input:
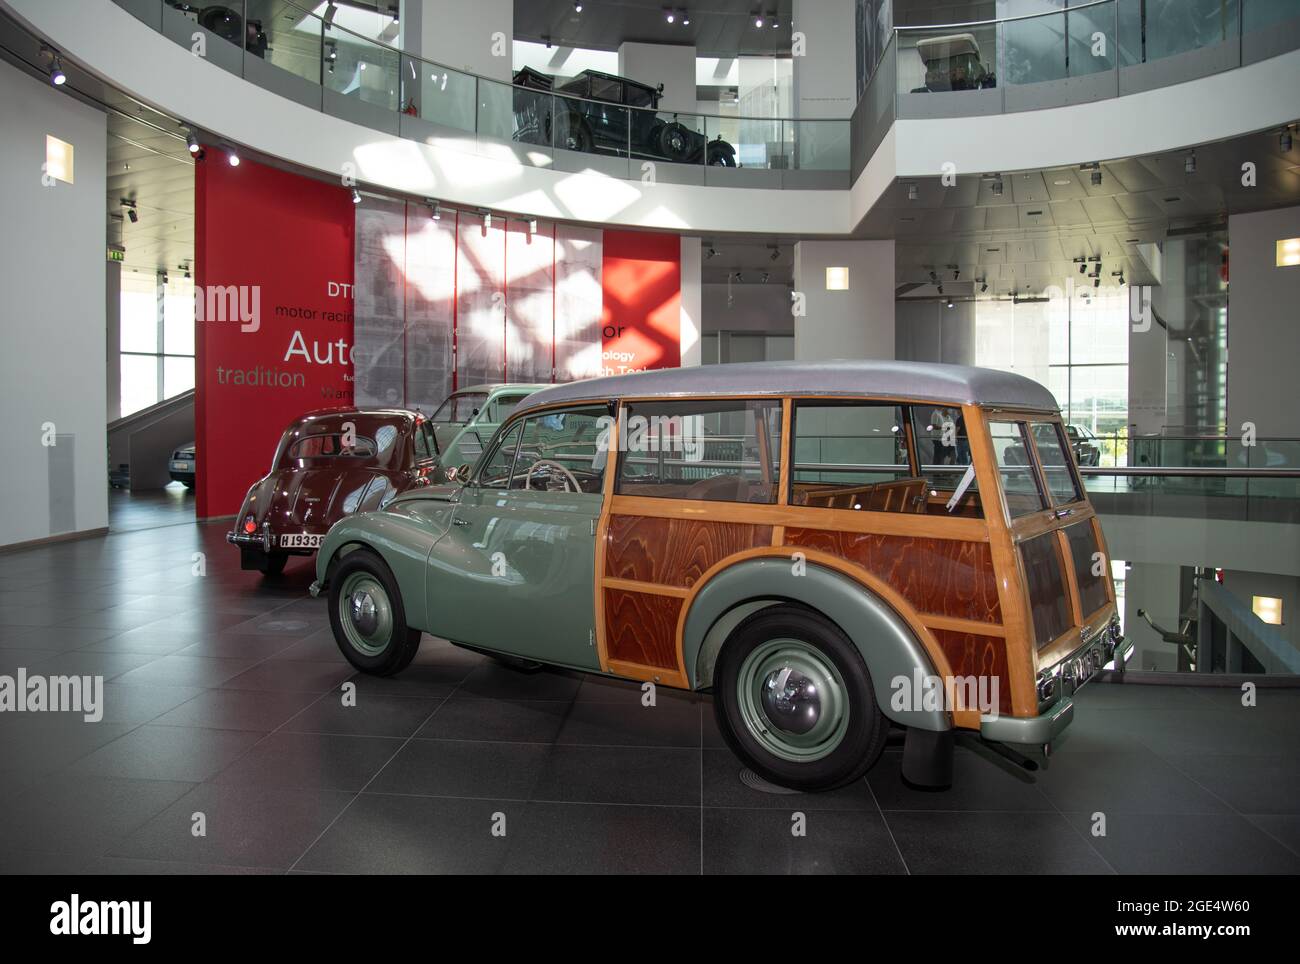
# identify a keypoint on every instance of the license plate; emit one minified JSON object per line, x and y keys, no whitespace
{"x":181,"y":466}
{"x":300,"y":540}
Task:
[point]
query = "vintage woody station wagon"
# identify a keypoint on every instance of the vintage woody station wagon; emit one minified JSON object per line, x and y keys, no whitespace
{"x":831,"y":549}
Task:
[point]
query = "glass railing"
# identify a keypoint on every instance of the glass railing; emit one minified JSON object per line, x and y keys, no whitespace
{"x":300,"y":52}
{"x":1088,"y":51}
{"x":1249,"y":494}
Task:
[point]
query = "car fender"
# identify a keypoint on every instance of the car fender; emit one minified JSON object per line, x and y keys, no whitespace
{"x":403,"y":535}
{"x":888,"y":646}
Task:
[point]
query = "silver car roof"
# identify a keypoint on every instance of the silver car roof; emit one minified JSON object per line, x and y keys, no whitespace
{"x":924,"y":381}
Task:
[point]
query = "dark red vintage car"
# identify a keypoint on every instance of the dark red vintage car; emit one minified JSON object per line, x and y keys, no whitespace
{"x":329,"y":464}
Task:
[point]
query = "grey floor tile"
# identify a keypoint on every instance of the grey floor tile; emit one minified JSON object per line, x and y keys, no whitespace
{"x":739,"y":841}
{"x":1179,"y":843}
{"x":503,"y":721}
{"x":635,"y":775}
{"x":723,"y":787}
{"x":286,"y":676}
{"x":244,"y":826}
{"x":1128,"y":782}
{"x":179,"y":670}
{"x":667,"y":723}
{"x":255,"y":710}
{"x":568,"y":838}
{"x":463,"y":769}
{"x":494,"y":680}
{"x":383,"y":834}
{"x":992,"y":843}
{"x":310,"y":761}
{"x":153,"y":752}
{"x":1248,"y":784}
{"x":371,"y":714}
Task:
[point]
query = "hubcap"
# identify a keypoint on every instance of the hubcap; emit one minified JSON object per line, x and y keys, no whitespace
{"x":365,"y":614}
{"x":792,"y":700}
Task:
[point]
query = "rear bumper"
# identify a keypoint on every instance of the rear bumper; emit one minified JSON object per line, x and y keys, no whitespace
{"x":252,"y":540}
{"x":1038,"y":732}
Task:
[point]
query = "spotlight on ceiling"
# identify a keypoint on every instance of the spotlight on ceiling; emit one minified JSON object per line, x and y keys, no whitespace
{"x":191,"y":142}
{"x":1083,"y":267}
{"x":1284,"y":140}
{"x":670,"y":15}
{"x":775,"y":255}
{"x":758,"y":19}
{"x":997,"y":187}
{"x":532,"y":225}
{"x":956,"y":273}
{"x":487,"y":222}
{"x":577,"y":6}
{"x":435,"y":209}
{"x":984,"y":286}
{"x":57,"y":77}
{"x":356,"y":196}
{"x":1096,"y":282}
{"x":765,"y":276}
{"x":131,"y":213}
{"x":950,"y":303}
{"x":232,"y":156}
{"x":686,"y":19}
{"x":940,"y":289}
{"x":912,"y":192}
{"x":1189,"y":163}
{"x":1096,"y":178}
{"x":712,"y":252}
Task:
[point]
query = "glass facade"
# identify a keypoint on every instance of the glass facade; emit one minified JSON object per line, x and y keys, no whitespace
{"x":156,"y":343}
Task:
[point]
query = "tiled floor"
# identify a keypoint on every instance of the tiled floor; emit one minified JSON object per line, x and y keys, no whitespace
{"x":225,"y":747}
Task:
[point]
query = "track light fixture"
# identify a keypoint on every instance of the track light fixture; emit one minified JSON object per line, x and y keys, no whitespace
{"x":131,"y":214}
{"x":711,"y":252}
{"x":686,"y":18}
{"x":670,"y":14}
{"x":577,"y":6}
{"x":435,"y":209}
{"x":950,"y":303}
{"x":912,"y":192}
{"x":356,"y":196}
{"x":940,"y":289}
{"x":1189,"y":163}
{"x":57,"y":77}
{"x":775,"y":255}
{"x":532,"y":226}
{"x":191,"y":142}
{"x":232,"y":156}
{"x":765,"y":276}
{"x":997,"y":187}
{"x":984,"y":286}
{"x":758,"y":18}
{"x":1096,"y":178}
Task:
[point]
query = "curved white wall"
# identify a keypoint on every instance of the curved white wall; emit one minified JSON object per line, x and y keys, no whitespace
{"x":129,"y":55}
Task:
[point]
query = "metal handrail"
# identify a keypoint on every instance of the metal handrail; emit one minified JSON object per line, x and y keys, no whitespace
{"x":993,"y":23}
{"x":1191,"y":471}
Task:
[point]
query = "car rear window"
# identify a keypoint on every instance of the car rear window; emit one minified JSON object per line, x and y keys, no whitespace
{"x":331,"y":445}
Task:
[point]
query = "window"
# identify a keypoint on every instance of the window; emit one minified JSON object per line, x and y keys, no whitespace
{"x":563,"y":451}
{"x":461,"y":407}
{"x":156,"y":342}
{"x":495,"y":472}
{"x":1090,"y":570}
{"x":1019,"y":481}
{"x":710,"y":450}
{"x":852,"y":455}
{"x":330,"y":446}
{"x":426,"y":443}
{"x":1057,"y":470}
{"x":943,"y":447}
{"x":1044,"y":577}
{"x":503,"y":406}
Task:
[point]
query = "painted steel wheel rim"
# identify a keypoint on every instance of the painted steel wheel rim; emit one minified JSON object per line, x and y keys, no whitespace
{"x":366,"y":613}
{"x":792,"y":700}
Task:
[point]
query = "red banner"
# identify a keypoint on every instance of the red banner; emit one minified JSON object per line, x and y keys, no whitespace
{"x":641,"y":278}
{"x":273,"y":316}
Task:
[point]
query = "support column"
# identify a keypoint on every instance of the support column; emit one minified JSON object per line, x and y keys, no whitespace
{"x":475,"y":37}
{"x":825,"y":75}
{"x":856,"y":322}
{"x":692,"y":302}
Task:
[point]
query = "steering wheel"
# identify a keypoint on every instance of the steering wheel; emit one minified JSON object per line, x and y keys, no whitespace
{"x":550,"y":463}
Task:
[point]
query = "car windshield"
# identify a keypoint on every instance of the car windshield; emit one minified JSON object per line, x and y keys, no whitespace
{"x":460,"y":408}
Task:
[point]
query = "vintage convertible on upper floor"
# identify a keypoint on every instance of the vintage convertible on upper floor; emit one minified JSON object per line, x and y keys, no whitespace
{"x":832,"y":549}
{"x":334,"y":462}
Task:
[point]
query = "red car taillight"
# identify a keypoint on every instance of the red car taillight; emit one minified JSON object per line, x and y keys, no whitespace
{"x":250,"y":526}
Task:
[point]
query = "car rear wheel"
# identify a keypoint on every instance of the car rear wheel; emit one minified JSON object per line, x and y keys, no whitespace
{"x":794,"y":700}
{"x":367,"y":616}
{"x":720,"y":156}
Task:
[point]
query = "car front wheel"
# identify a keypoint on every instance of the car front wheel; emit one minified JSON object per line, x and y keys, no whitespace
{"x":367,"y":615}
{"x":794,"y":700}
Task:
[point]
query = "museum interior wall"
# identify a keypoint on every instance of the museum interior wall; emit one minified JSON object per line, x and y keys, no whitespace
{"x":52,"y":335}
{"x":379,"y":303}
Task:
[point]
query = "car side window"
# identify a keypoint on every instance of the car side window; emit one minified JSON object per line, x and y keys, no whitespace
{"x":1020,"y":483}
{"x":1057,"y":470}
{"x":853,"y":455}
{"x":712,"y":450}
{"x":421,"y":444}
{"x":564,"y":451}
{"x":495,"y":471}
